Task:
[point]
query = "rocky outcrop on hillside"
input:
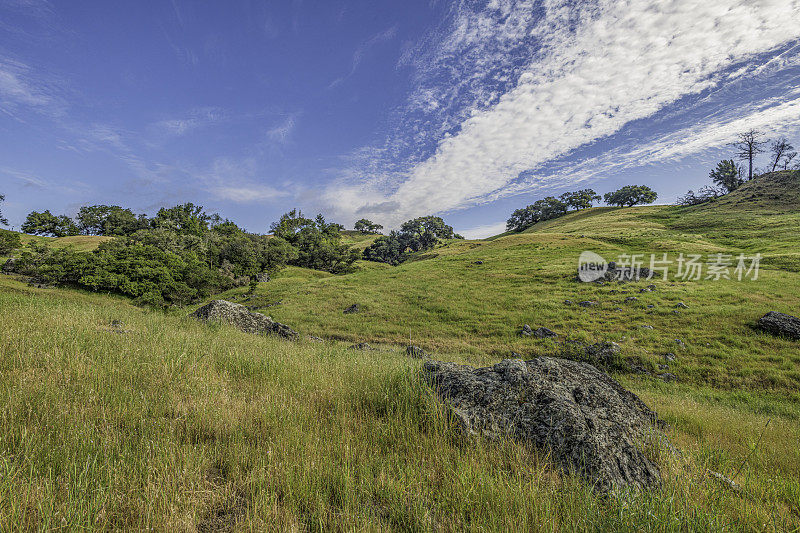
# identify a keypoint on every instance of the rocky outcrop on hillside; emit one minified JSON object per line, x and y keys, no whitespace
{"x":239,"y":316}
{"x":780,"y":324}
{"x":587,"y":421}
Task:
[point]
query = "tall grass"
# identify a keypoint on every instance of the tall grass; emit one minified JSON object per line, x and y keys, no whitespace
{"x":165,"y":423}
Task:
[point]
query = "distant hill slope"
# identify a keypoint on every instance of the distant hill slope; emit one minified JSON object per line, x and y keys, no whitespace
{"x":81,"y":243}
{"x":774,"y":192}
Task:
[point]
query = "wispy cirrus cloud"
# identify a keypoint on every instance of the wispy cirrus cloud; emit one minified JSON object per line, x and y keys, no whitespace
{"x":362,"y":50}
{"x":580,"y":75}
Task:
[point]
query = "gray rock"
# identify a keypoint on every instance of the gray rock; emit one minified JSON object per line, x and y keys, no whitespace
{"x":478,"y":262}
{"x":780,"y":324}
{"x":586,"y":420}
{"x":516,"y":355}
{"x":362,"y":346}
{"x":646,"y":327}
{"x":543,"y":333}
{"x":355,"y":308}
{"x":239,"y":316}
{"x":567,"y":302}
{"x":262,"y":277}
{"x":603,"y":354}
{"x":670,"y":357}
{"x":526,"y":331}
{"x":416,"y":352}
{"x":681,"y":305}
{"x":650,"y":306}
{"x":631,"y":299}
{"x":666,"y":376}
{"x":587,"y":303}
{"x":314,"y":338}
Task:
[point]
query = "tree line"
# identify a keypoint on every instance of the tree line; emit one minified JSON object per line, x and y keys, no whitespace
{"x":729,"y":175}
{"x":551,"y":207}
{"x":183,"y":253}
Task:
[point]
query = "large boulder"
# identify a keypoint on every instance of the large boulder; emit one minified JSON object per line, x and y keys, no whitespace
{"x":781,"y":324}
{"x":244,"y":319}
{"x":587,"y":421}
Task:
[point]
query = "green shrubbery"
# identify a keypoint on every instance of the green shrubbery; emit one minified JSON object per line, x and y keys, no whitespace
{"x":416,"y":235}
{"x":181,"y":255}
{"x":9,"y":241}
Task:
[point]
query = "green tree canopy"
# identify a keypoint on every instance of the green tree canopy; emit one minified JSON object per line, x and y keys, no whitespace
{"x":48,"y":224}
{"x":540,"y":210}
{"x":109,"y":220}
{"x":316,"y":242}
{"x":582,"y":199}
{"x":726,"y":175}
{"x":631,"y":195}
{"x":367,"y":227}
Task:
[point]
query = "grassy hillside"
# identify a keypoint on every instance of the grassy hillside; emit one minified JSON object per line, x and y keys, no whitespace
{"x":162,"y":422}
{"x":81,"y":243}
{"x":157,"y":421}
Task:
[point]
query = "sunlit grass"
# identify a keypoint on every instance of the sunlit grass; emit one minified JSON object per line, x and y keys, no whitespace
{"x":166,"y":423}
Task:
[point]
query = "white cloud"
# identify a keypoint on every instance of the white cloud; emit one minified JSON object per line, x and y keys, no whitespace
{"x":16,"y":88}
{"x":485,"y":230}
{"x":195,"y":119}
{"x":280,"y":132}
{"x":596,"y":71}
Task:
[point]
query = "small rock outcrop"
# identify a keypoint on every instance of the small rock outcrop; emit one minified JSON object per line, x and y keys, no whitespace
{"x":780,"y":324}
{"x":544,"y":333}
{"x":262,"y":277}
{"x":241,"y":317}
{"x":603,"y":354}
{"x":416,"y":352}
{"x":363,"y":346}
{"x":587,"y":303}
{"x":526,"y":331}
{"x":586,"y":420}
{"x":355,"y":308}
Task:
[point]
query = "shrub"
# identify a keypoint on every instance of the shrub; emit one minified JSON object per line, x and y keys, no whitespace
{"x":9,"y":241}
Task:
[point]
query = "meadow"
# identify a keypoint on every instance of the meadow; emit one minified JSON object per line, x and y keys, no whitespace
{"x":119,"y":417}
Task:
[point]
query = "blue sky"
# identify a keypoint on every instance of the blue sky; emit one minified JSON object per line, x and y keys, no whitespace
{"x":381,"y":109}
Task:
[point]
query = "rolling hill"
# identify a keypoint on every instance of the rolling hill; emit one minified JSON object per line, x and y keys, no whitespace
{"x":163,"y":422}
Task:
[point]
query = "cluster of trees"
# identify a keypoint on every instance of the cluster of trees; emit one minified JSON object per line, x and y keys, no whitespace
{"x":727,"y":176}
{"x":317,"y":243}
{"x":367,"y":227}
{"x":178,"y":256}
{"x":552,"y":207}
{"x":417,"y":235}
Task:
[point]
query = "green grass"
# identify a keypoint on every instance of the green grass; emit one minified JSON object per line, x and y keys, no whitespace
{"x":170,"y":424}
{"x":80,"y":243}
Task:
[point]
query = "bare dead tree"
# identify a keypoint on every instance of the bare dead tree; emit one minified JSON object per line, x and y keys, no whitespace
{"x":748,"y":146}
{"x":779,"y":149}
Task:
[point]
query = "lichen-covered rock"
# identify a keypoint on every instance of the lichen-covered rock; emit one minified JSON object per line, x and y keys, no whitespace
{"x":241,"y":317}
{"x":780,"y":324}
{"x":355,"y":308}
{"x":587,"y":421}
